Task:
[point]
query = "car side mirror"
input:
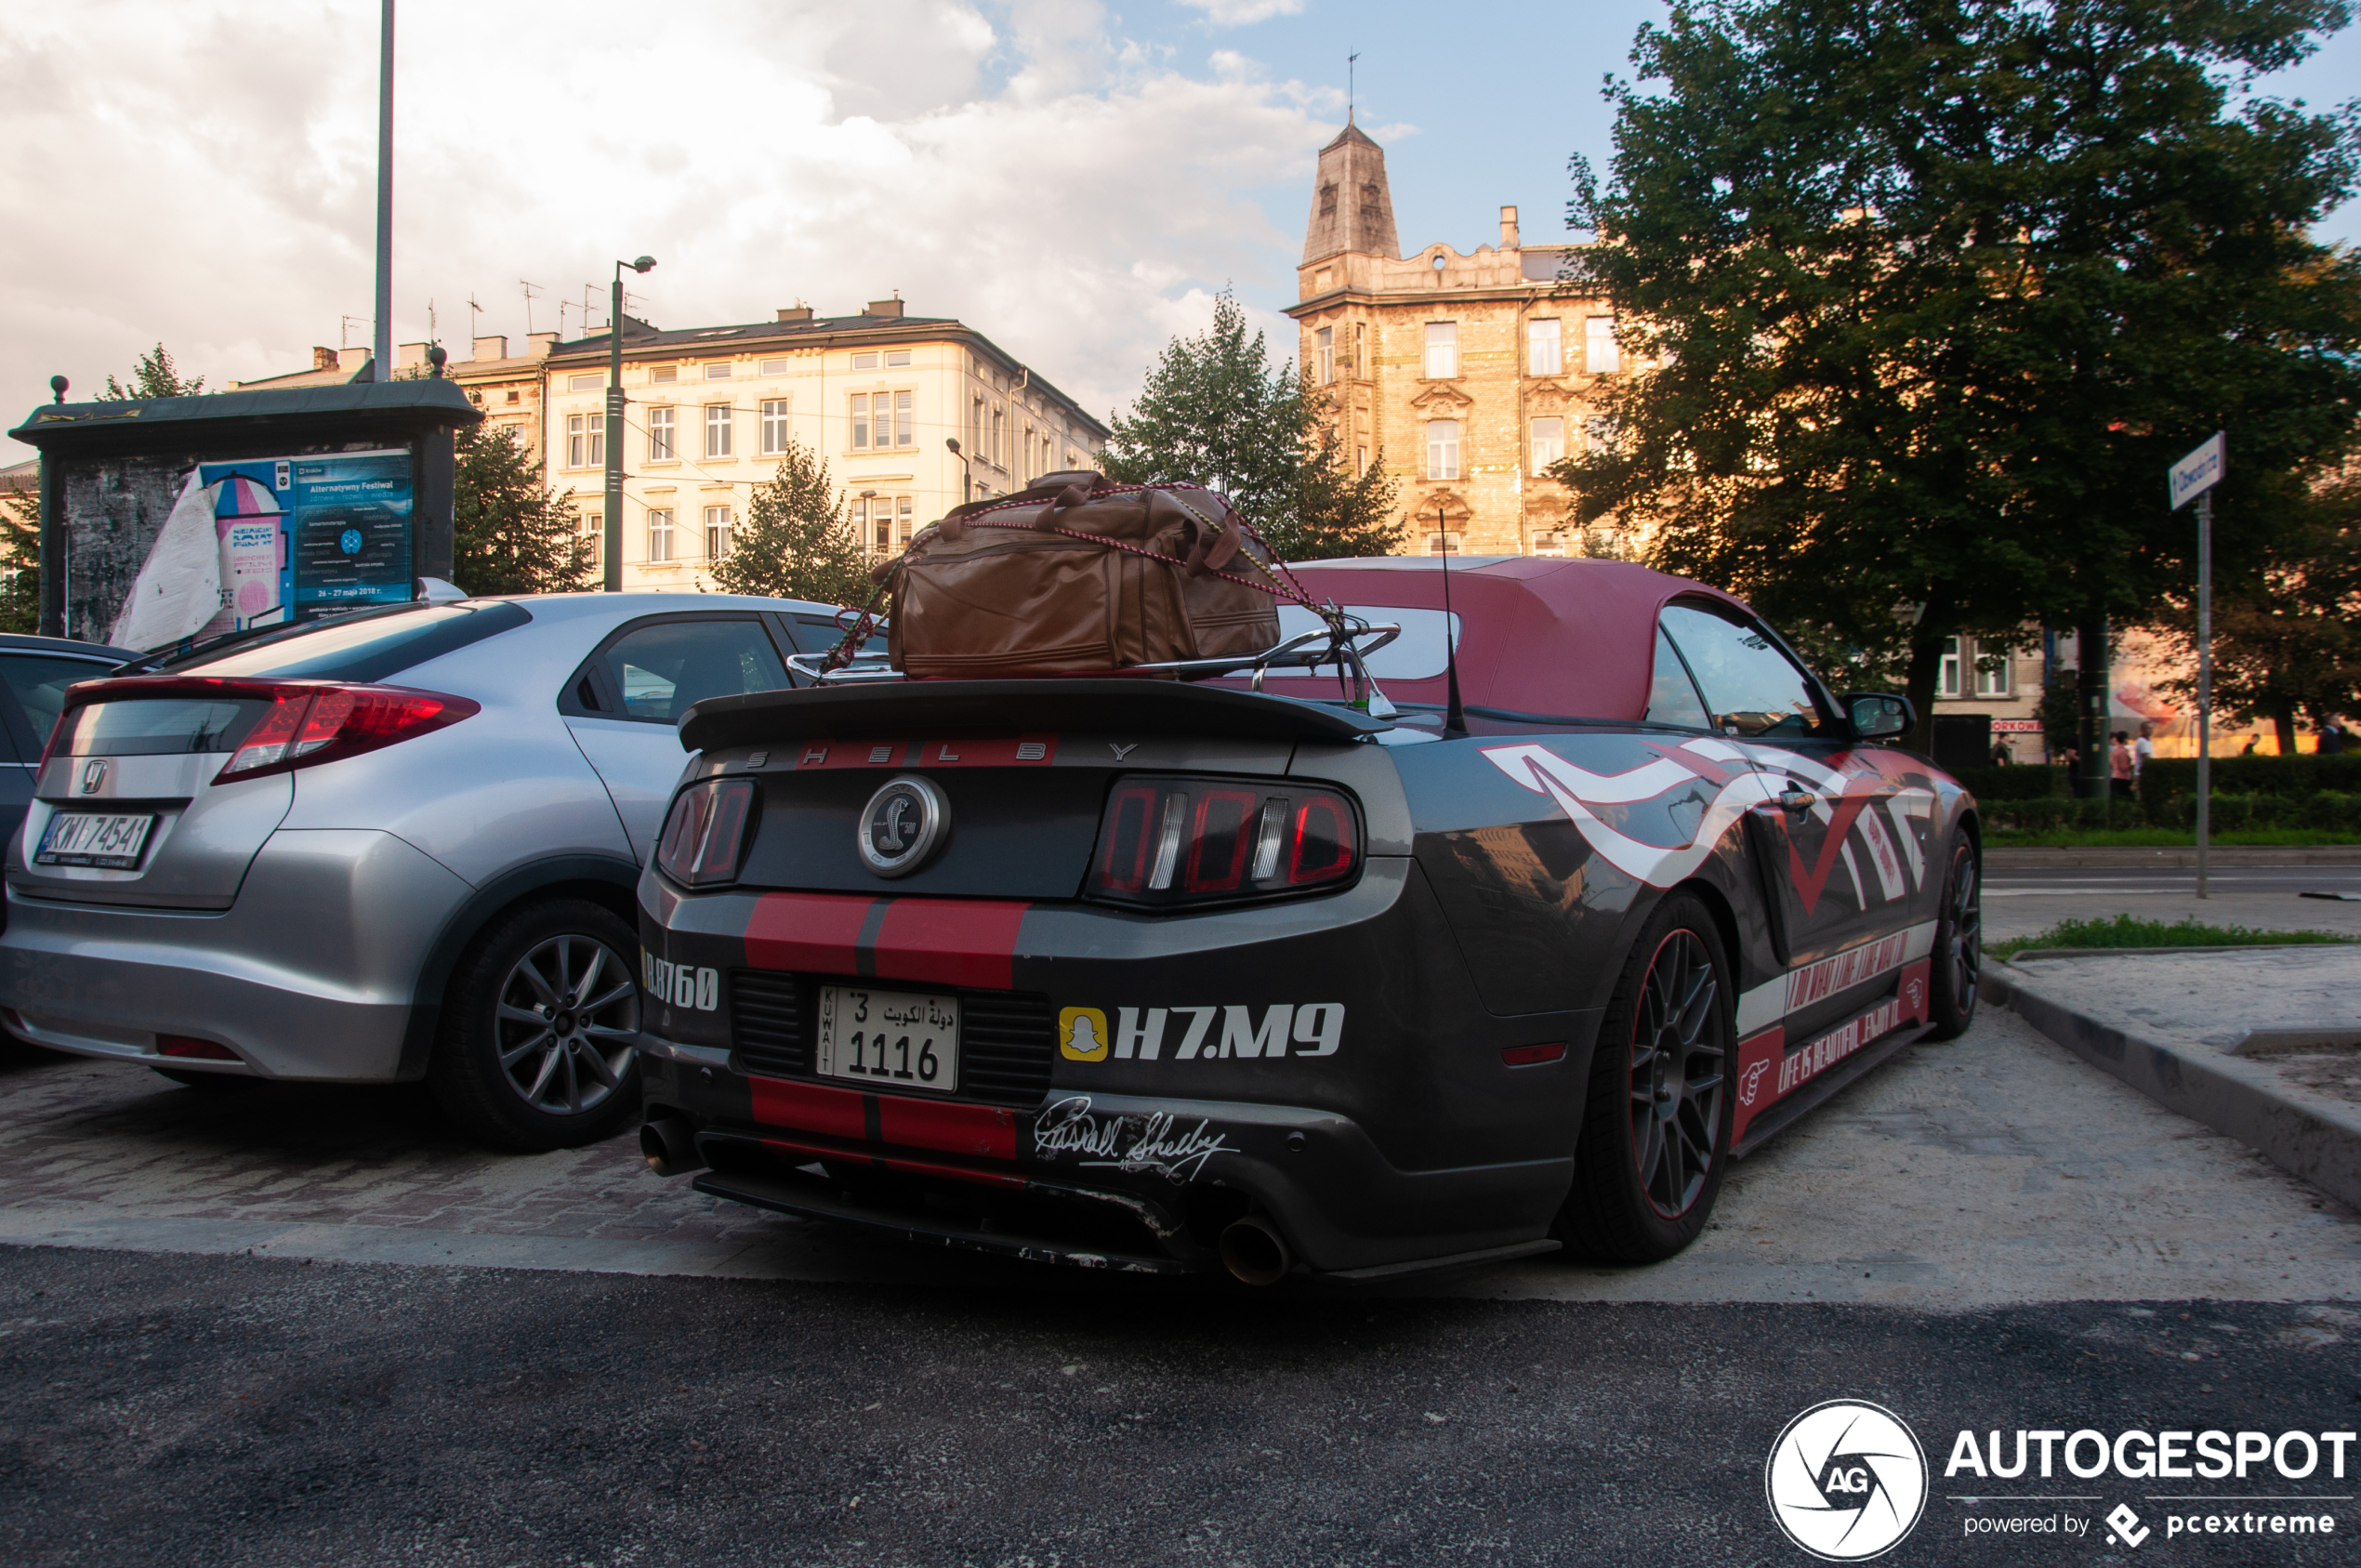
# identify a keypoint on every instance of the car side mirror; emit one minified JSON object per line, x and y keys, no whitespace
{"x":1877,"y":714}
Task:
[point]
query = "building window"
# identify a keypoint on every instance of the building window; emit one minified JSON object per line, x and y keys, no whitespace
{"x":594,"y":537}
{"x":902,"y":515}
{"x":718,"y":530}
{"x":895,"y":358}
{"x":716,"y":429}
{"x":860,"y":422}
{"x":590,"y":383}
{"x":1946,"y":675}
{"x":586,"y":440}
{"x":774,"y":367}
{"x":1549,"y":542}
{"x":1549,"y":445}
{"x":999,"y":437}
{"x":1327,"y":338}
{"x":975,"y":429}
{"x":659,"y":535}
{"x":1544,"y":350}
{"x":665,"y":373}
{"x":865,"y":362}
{"x":1443,"y":449}
{"x":1600,"y":355}
{"x":774,"y":427}
{"x":1443,"y":351}
{"x":905,"y":419}
{"x":1991,"y":673}
{"x":718,"y":370}
{"x":1448,"y":543}
{"x":661,"y":425}
{"x":1598,"y":434}
{"x":1360,"y":462}
{"x":515,"y":395}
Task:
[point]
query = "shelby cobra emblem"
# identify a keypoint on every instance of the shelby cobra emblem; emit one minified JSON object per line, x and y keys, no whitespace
{"x":903,"y":825}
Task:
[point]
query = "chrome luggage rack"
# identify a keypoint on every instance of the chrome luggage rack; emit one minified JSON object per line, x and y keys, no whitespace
{"x":1348,"y":649}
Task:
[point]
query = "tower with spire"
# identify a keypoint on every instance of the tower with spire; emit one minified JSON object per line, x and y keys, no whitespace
{"x":1466,"y":374}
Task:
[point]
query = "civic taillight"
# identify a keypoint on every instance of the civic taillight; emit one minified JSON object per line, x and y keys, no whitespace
{"x":1168,"y":841}
{"x":312,"y":723}
{"x":705,"y":836}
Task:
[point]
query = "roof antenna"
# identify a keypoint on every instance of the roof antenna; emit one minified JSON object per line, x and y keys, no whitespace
{"x":1348,"y":60}
{"x":1454,"y":716}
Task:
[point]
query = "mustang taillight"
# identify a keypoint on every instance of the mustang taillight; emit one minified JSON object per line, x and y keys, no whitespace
{"x":705,"y":836}
{"x":313,"y":723}
{"x":1168,"y":841}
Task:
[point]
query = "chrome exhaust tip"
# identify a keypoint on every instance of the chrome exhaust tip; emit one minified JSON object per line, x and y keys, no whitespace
{"x":1254,"y":1252}
{"x":669,"y":1145}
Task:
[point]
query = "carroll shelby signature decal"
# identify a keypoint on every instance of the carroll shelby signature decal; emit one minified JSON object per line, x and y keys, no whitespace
{"x":1134,"y":1143}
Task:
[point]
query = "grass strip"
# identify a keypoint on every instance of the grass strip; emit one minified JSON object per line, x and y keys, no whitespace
{"x":2130,"y":931}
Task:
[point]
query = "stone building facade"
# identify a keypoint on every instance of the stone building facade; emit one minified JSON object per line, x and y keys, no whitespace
{"x":1465,"y":374}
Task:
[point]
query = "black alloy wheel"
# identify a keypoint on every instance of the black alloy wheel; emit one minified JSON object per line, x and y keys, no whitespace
{"x":537,"y":1047}
{"x":1958,"y":943}
{"x":1657,"y":1118}
{"x":1679,"y":1070}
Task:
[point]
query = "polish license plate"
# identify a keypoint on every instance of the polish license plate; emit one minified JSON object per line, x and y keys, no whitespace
{"x":888,"y":1039}
{"x":113,"y":840}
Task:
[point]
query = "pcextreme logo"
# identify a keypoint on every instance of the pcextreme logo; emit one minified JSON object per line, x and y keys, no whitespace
{"x":1846,"y":1480}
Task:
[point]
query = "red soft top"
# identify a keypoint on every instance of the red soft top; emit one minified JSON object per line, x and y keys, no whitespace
{"x":1572,"y":637}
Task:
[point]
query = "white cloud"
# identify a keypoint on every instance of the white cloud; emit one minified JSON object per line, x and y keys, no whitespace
{"x":1244,"y":13}
{"x":203,"y":173}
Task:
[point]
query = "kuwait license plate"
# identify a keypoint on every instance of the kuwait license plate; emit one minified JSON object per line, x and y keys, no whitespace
{"x":112,"y":840}
{"x":888,"y":1039}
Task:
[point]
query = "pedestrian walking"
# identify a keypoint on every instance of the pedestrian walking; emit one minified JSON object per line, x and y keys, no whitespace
{"x":2001,"y":756}
{"x":2143,"y":750}
{"x":2119,"y":758}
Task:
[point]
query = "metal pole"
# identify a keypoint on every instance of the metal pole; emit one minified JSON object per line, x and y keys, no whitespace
{"x":2205,"y":684}
{"x":382,"y":341}
{"x":614,"y":582}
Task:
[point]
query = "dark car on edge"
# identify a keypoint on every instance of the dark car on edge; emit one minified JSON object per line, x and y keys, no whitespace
{"x":1168,"y":975}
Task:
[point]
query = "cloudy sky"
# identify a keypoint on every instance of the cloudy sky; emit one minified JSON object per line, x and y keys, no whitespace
{"x":1076,"y":179}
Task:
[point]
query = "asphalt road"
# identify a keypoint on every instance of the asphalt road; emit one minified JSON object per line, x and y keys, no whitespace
{"x":178,"y":1410}
{"x":2020,"y":901}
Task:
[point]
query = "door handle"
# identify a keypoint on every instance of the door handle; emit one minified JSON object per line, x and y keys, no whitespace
{"x":1797,"y":799}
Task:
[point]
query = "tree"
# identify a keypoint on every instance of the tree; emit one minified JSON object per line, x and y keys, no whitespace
{"x":1215,"y":413}
{"x":1937,"y":288}
{"x":513,"y":534}
{"x":797,"y":542}
{"x":21,"y":562}
{"x":2286,"y":638}
{"x":153,"y":376}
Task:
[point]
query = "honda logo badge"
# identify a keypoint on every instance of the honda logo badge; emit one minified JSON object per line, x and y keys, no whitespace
{"x":94,"y":775}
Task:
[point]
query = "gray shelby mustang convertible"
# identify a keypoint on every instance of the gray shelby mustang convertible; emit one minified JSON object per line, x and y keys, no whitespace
{"x":1170,"y":976}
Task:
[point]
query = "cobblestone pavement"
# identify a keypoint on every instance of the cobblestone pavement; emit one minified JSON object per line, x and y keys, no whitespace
{"x":1995,"y":1168}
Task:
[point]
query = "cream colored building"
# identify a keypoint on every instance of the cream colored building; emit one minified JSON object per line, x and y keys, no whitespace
{"x":877,"y":395}
{"x":506,"y":386}
{"x":1467,"y":374}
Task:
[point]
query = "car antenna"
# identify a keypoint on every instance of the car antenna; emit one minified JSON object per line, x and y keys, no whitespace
{"x":1455,"y":716}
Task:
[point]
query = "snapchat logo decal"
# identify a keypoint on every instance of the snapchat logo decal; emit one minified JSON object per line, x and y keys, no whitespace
{"x":1082,"y":1034}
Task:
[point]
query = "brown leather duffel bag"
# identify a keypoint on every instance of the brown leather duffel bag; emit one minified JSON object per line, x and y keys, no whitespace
{"x":1076,"y":575}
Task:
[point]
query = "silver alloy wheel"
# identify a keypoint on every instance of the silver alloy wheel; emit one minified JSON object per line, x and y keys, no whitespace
{"x":568,"y":1012}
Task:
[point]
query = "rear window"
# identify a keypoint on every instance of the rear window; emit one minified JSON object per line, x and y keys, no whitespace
{"x":368,"y":645}
{"x":156,"y":726}
{"x":1418,"y":655}
{"x":40,"y":683}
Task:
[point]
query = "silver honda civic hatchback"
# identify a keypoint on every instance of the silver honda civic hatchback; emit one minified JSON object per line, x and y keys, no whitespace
{"x":396,"y":844}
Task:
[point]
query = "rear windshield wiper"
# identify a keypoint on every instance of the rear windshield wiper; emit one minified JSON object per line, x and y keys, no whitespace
{"x":176,"y":652}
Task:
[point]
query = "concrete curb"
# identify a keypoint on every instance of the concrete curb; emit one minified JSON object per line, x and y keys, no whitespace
{"x":2026,"y":857}
{"x":2304,"y":1134}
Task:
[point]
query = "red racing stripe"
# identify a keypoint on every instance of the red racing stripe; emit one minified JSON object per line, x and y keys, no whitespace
{"x":810,"y":1108}
{"x":979,"y":1131}
{"x":950,"y":942}
{"x":806,"y":931}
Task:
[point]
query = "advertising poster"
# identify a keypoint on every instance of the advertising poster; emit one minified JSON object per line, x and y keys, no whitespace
{"x":352,"y":529}
{"x":251,"y":501}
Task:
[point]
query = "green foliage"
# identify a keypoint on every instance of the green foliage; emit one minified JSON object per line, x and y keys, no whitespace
{"x":1215,"y":412}
{"x":2017,"y":782}
{"x":1937,"y":289}
{"x":796,"y":541}
{"x":2166,"y":778}
{"x":21,"y":562}
{"x":2130,"y":931}
{"x":155,"y":375}
{"x":513,"y":534}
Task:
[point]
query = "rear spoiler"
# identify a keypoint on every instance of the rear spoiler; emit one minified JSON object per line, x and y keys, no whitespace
{"x":1108,"y":705}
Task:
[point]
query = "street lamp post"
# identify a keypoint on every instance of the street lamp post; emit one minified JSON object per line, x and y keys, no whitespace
{"x":967,"y":481}
{"x":614,"y":426}
{"x":868,"y":519}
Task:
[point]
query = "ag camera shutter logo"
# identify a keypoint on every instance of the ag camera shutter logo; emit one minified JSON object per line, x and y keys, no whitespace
{"x":1846,"y":1480}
